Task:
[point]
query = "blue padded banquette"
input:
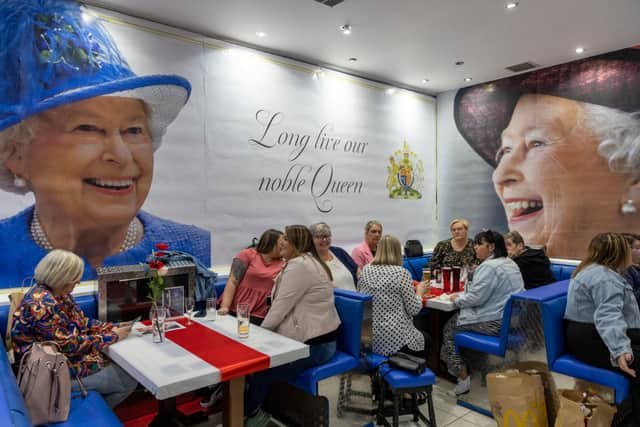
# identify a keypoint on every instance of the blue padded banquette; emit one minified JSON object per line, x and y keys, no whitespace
{"x":351,"y":308}
{"x":562,"y":271}
{"x":559,"y":361}
{"x":415,"y":265}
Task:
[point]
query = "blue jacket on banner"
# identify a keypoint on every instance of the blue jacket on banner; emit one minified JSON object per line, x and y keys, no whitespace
{"x":21,"y":254}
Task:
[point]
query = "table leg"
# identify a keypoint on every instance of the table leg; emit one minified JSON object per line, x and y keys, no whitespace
{"x":233,"y":403}
{"x":169,"y":416}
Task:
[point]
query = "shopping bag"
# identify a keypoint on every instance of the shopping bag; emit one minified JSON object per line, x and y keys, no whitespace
{"x":517,"y":399}
{"x":551,"y":399}
{"x":580,"y":409}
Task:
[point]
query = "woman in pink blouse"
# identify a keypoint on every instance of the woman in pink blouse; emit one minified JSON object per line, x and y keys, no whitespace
{"x":251,"y":277}
{"x":363,"y":253}
{"x":49,"y":313}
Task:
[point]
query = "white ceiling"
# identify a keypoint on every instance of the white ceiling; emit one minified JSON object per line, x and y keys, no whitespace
{"x":400,"y":42}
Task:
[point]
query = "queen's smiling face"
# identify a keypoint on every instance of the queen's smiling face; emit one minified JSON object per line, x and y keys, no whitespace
{"x":90,"y":162}
{"x":555,"y":188}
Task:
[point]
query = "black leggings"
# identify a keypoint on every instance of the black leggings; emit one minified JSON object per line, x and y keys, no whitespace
{"x":420,"y":353}
{"x":584,"y":342}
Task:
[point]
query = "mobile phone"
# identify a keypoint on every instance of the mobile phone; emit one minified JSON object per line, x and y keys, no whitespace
{"x":131,"y":322}
{"x":136,"y":320}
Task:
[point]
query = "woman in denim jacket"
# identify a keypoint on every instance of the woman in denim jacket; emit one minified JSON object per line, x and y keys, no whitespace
{"x":602,"y":319}
{"x":482,"y":302}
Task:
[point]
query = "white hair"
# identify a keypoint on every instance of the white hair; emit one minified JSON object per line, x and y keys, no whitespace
{"x":619,"y":135}
{"x":59,"y":268}
{"x":20,"y":133}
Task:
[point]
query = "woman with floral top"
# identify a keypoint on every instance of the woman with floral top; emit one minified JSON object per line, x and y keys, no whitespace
{"x":457,"y":251}
{"x":49,"y":313}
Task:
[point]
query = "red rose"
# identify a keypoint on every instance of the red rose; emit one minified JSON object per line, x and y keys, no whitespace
{"x":159,"y":264}
{"x":161,"y":254}
{"x":162,"y":246}
{"x":154,"y":265}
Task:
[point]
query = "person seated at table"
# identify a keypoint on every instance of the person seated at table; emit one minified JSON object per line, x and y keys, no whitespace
{"x":302,"y":309}
{"x":48,"y":312}
{"x":456,"y":251}
{"x":482,"y":302}
{"x":632,"y":274}
{"x":395,"y":302}
{"x":533,"y":263}
{"x":363,"y":253}
{"x":602,"y":319}
{"x":251,"y":277}
{"x":343,"y":267}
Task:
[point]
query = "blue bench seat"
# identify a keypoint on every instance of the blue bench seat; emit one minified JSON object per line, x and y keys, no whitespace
{"x":487,"y":343}
{"x":544,"y":293}
{"x":553,"y":322}
{"x":562,"y":271}
{"x":90,"y":411}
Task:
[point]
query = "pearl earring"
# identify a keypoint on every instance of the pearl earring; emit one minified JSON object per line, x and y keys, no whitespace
{"x":19,"y":181}
{"x":629,"y":208}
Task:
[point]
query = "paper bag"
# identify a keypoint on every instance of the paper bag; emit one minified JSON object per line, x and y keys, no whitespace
{"x":517,"y":399}
{"x":578,"y":409}
{"x":551,"y":399}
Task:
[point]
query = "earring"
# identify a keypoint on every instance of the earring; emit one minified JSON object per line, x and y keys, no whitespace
{"x":19,"y":181}
{"x":628,"y":208}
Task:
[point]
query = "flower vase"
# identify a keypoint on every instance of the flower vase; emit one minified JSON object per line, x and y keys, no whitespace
{"x":158,"y":316}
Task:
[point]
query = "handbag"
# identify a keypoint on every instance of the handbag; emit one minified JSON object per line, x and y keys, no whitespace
{"x":413,"y":248}
{"x":407,"y":362}
{"x":45,"y":382}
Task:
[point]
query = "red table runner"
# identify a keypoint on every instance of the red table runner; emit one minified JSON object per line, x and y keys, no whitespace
{"x":234,"y":359}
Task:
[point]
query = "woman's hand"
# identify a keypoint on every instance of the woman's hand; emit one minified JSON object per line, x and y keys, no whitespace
{"x":223,"y":310}
{"x":454,"y":297}
{"x":122,"y":332}
{"x":623,"y":362}
{"x":421,"y":289}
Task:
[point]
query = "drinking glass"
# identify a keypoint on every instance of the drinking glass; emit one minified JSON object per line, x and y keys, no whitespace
{"x":189,"y":306}
{"x":242,"y":314}
{"x":211,"y":309}
{"x":446,"y":278}
{"x":455,"y":271}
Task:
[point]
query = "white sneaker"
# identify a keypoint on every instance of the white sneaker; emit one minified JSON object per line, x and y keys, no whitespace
{"x":463,"y":386}
{"x":213,"y":398}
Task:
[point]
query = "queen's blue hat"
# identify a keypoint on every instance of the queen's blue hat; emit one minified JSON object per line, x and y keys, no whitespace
{"x":51,"y":54}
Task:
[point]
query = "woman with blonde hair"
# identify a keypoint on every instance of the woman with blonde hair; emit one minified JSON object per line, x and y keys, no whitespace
{"x":394,"y":302}
{"x":456,"y":251}
{"x":363,"y":253}
{"x":602,"y":319}
{"x":49,"y":313}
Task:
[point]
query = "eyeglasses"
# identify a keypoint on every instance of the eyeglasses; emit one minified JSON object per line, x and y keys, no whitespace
{"x":323,"y":237}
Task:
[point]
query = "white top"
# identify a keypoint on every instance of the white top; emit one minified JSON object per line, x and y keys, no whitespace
{"x":342,"y":277}
{"x":168,"y":370}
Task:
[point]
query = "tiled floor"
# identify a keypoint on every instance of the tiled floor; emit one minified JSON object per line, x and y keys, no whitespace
{"x":448,"y":414}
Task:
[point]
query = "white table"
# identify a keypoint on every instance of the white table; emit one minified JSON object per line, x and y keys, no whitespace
{"x":441,"y":304}
{"x":168,"y":370}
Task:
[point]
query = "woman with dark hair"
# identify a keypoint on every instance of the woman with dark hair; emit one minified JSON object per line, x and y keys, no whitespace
{"x":633,"y":272}
{"x":302,"y":309}
{"x":602,"y":319}
{"x":251,"y":277}
{"x":533,"y":263}
{"x":482,"y":302}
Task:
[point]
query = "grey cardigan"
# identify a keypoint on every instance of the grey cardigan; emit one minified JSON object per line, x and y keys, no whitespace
{"x":302,"y":305}
{"x":484,"y":298}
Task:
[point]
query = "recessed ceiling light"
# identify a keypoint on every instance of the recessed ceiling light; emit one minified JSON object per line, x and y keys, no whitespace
{"x":346,"y":29}
{"x":579,"y":49}
{"x":511,"y":5}
{"x":261,"y":34}
{"x":459,"y":63}
{"x":425,"y":81}
{"x":467,"y":79}
{"x":391,"y":91}
{"x":353,"y":59}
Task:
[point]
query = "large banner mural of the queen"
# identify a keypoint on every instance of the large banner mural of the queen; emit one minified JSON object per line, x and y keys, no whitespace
{"x":564,"y":146}
{"x":78,"y":130}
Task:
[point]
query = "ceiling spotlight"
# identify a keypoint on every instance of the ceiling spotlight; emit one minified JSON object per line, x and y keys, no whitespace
{"x":425,"y":81}
{"x":261,"y":34}
{"x":511,"y":5}
{"x":346,"y":29}
{"x":318,"y":74}
{"x":467,"y":79}
{"x":459,"y":63}
{"x":390,"y":91}
{"x":579,"y":49}
{"x":353,"y":59}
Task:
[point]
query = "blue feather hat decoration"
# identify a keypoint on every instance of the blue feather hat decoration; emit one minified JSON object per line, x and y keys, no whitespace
{"x":51,"y":54}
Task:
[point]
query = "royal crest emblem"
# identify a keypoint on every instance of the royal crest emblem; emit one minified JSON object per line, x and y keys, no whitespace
{"x":406,"y":174}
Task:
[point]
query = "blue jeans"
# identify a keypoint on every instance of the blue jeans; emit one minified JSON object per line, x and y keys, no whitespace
{"x":258,"y":385}
{"x":112,"y":382}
